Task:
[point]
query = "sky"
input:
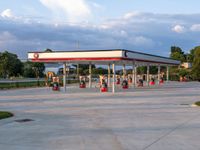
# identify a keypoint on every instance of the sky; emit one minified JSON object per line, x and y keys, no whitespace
{"x":140,"y":25}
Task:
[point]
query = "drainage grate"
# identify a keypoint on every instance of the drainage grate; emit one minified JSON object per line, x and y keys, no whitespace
{"x":23,"y":120}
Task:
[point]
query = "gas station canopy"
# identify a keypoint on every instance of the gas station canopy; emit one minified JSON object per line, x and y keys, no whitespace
{"x":105,"y":57}
{"x":118,"y":56}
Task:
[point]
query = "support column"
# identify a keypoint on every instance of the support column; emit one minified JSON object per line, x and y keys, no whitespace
{"x":124,"y":71}
{"x":158,"y":73}
{"x":167,"y":74}
{"x":90,"y":75}
{"x":148,"y":75}
{"x":108,"y":75}
{"x":113,"y":82}
{"x":64,"y":76}
{"x":77,"y":73}
{"x":133,"y":74}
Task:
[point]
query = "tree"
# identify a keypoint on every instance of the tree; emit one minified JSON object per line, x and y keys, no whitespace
{"x":153,"y":70}
{"x":27,"y":70}
{"x":32,"y":69}
{"x":38,"y":69}
{"x":196,"y":63}
{"x":190,"y":56}
{"x":10,"y":65}
{"x":99,"y":71}
{"x":183,"y":72}
{"x":142,"y":70}
{"x":48,"y":50}
{"x":84,"y":68}
{"x":177,"y":54}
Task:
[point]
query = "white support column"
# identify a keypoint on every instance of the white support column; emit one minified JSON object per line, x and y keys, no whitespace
{"x":77,"y":73}
{"x":64,"y":76}
{"x":167,"y":74}
{"x":133,"y":74}
{"x":124,"y":71}
{"x":90,"y":75}
{"x":108,"y":75}
{"x":113,"y":82}
{"x":158,"y":73}
{"x":148,"y":75}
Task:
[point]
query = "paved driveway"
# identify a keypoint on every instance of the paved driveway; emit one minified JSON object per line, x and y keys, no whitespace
{"x":158,"y":118}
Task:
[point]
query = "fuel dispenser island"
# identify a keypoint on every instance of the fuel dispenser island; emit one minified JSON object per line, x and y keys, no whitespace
{"x":82,"y":83}
{"x":125,"y":83}
{"x":152,"y":82}
{"x":49,"y":78}
{"x":140,"y":83}
{"x":55,"y":84}
{"x":52,"y":81}
{"x":130,"y":80}
{"x":161,"y":80}
{"x":103,"y":83}
{"x":118,"y":79}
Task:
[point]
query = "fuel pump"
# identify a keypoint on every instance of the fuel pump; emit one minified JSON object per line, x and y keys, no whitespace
{"x":140,"y":83}
{"x":130,"y":80}
{"x":55,"y":85}
{"x":152,"y":82}
{"x":161,"y":80}
{"x":125,"y":84}
{"x":82,"y":83}
{"x":103,"y":83}
{"x":118,"y":79}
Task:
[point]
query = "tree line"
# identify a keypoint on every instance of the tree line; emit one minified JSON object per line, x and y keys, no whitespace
{"x":193,"y":57}
{"x":12,"y":66}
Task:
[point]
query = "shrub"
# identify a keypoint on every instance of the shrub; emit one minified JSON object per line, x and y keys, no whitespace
{"x":4,"y":114}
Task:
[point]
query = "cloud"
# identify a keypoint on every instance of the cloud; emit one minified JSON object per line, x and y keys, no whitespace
{"x":97,"y":6}
{"x":74,"y":10}
{"x":131,"y":15}
{"x":7,"y":14}
{"x":141,"y":40}
{"x":178,"y":29}
{"x":6,"y":38}
{"x":195,"y":27}
{"x":145,"y":32}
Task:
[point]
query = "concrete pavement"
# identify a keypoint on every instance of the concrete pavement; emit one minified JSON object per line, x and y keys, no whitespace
{"x":158,"y":118}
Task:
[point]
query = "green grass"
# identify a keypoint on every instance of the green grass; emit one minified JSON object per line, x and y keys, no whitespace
{"x":21,"y":84}
{"x":4,"y":114}
{"x":197,"y":103}
{"x":13,"y":85}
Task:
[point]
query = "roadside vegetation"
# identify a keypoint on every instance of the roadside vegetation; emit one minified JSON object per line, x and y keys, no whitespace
{"x":193,"y":57}
{"x":17,"y":84}
{"x":4,"y":114}
{"x":197,"y":103}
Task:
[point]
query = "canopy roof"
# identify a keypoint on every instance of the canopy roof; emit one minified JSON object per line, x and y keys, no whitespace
{"x":118,"y":56}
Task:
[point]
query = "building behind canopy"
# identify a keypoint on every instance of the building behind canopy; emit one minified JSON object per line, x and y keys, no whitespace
{"x":120,"y":57}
